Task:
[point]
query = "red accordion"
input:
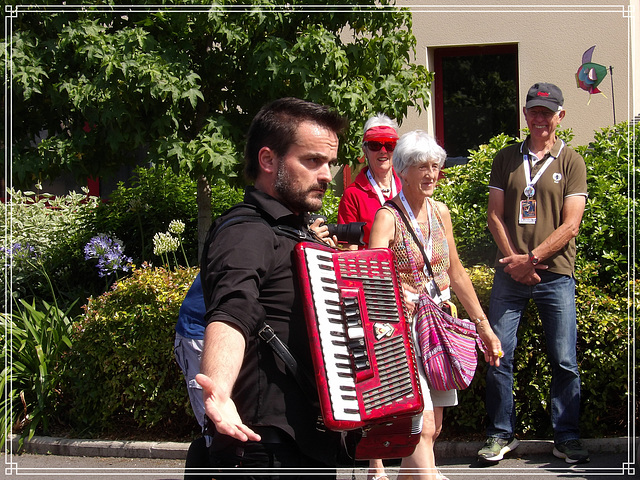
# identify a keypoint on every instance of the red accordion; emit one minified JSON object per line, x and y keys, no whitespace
{"x":363,"y":357}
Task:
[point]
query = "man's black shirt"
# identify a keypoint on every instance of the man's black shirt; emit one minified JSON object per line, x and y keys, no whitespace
{"x":249,"y":277}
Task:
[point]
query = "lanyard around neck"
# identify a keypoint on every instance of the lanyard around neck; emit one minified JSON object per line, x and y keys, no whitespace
{"x":530,"y":191}
{"x":416,"y":226}
{"x":377,"y":189}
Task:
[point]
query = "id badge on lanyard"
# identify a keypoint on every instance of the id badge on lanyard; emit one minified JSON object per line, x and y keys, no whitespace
{"x":528,"y":208}
{"x":528,"y":211}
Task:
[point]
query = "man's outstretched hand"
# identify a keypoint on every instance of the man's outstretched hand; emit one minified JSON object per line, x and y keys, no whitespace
{"x":223,"y":412}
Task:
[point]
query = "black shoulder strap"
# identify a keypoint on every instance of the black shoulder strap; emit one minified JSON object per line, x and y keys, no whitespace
{"x":280,"y":348}
{"x":250,"y":216}
{"x":266,"y":332}
{"x":282,"y":230}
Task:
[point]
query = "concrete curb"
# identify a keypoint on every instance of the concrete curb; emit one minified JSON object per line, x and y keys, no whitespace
{"x":101,"y":448}
{"x":532,"y":447}
{"x":178,"y":450}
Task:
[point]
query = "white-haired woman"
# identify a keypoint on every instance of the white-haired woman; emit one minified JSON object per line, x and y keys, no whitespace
{"x":418,"y":159}
{"x":376,"y":183}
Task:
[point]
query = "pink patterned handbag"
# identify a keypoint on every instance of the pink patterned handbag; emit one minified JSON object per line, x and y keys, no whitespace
{"x":448,"y":346}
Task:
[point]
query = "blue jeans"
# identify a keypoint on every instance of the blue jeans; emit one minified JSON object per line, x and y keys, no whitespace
{"x":555,"y":298}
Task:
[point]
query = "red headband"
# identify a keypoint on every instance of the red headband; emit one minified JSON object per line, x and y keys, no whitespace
{"x":376,"y":133}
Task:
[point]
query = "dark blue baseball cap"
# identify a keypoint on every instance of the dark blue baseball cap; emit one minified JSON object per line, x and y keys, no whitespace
{"x":545,"y":95}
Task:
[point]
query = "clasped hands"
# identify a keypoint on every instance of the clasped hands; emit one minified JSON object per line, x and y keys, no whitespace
{"x":521,"y":270}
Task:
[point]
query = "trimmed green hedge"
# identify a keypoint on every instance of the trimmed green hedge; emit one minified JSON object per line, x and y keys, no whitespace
{"x":123,"y":370}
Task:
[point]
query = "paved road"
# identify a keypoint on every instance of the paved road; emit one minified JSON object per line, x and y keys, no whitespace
{"x":538,"y":466}
{"x":31,"y":467}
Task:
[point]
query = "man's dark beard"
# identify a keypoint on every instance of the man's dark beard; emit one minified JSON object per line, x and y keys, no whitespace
{"x":297,"y":200}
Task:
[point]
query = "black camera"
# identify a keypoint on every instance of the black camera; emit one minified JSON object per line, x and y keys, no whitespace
{"x":351,"y":233}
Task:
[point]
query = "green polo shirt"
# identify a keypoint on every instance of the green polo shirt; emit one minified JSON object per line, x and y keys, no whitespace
{"x":565,"y":176}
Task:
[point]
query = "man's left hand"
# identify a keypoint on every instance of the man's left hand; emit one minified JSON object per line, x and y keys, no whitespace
{"x":223,"y":412}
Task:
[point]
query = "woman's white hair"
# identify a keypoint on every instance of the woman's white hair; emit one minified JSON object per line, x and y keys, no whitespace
{"x":415,"y":148}
{"x":380,"y":120}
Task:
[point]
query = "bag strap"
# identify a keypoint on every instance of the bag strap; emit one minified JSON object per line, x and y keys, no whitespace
{"x":427,"y":263}
{"x":280,"y":348}
{"x":407,"y":243}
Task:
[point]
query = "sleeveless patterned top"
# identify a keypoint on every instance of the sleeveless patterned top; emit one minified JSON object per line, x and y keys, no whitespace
{"x":439,"y":255}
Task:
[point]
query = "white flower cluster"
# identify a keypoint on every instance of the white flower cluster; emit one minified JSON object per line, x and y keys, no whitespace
{"x":164,"y":243}
{"x":176,"y":226}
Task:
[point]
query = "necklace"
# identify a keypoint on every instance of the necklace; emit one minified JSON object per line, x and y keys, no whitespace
{"x":385,"y":190}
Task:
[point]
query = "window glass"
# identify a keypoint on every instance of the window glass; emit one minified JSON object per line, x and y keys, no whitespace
{"x":478,"y":97}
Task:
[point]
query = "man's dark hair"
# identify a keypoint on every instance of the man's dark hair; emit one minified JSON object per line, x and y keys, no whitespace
{"x":276,"y":124}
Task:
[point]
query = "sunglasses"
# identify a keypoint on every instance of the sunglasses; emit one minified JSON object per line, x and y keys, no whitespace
{"x":377,"y":146}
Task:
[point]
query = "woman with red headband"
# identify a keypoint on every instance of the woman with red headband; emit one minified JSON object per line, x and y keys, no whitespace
{"x":377,"y":182}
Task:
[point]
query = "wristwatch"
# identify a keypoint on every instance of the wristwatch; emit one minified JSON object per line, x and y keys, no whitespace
{"x":533,"y":259}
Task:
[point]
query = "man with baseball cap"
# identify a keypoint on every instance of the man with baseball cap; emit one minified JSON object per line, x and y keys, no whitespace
{"x":537,"y":195}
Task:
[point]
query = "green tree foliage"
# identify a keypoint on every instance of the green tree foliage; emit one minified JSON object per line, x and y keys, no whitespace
{"x":180,"y":85}
{"x":123,"y":371}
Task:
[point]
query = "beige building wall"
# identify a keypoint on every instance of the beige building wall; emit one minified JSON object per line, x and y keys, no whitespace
{"x":551,"y":39}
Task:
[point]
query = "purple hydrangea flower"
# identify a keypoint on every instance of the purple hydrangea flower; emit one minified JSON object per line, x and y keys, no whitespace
{"x":110,"y":254}
{"x":18,"y":253}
